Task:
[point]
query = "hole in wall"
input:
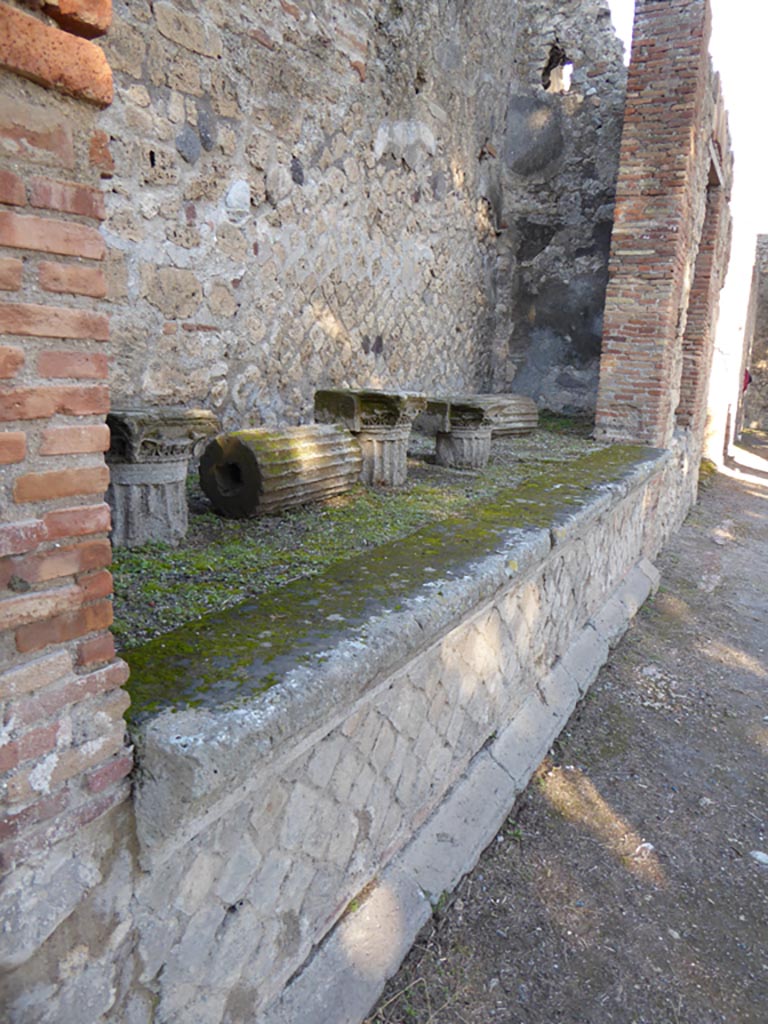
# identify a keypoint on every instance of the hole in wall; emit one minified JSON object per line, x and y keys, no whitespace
{"x":556,"y":76}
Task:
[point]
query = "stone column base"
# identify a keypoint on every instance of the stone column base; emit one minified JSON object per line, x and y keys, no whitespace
{"x":148,"y":502}
{"x":385,"y":451}
{"x":464,"y":448}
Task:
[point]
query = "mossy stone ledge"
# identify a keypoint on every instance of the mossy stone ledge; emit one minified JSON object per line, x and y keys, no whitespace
{"x":395,"y":596}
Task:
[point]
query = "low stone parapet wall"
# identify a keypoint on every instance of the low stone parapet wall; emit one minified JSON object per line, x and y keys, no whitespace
{"x":381,"y":763}
{"x":312,"y":775}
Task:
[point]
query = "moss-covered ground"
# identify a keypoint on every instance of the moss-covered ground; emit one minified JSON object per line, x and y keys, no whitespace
{"x":223,"y":562}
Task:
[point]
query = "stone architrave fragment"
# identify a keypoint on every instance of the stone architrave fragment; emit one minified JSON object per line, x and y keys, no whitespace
{"x":258,"y":472}
{"x":507,"y":413}
{"x":381,"y":422}
{"x":148,"y":458}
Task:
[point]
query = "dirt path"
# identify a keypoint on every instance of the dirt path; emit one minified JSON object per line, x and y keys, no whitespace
{"x":625,"y":888}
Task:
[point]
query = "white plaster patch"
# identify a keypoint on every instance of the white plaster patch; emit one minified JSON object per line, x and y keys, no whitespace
{"x":6,"y":730}
{"x":40,"y":776}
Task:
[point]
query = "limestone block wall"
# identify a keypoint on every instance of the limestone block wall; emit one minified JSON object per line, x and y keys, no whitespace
{"x":321,"y":194}
{"x":259,"y":826}
{"x":258,"y":832}
{"x":671,"y":208}
{"x":280,"y":837}
{"x":755,"y":401}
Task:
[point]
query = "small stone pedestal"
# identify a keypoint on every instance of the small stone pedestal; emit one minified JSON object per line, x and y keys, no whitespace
{"x":464,"y":447}
{"x":381,"y":423}
{"x":148,"y":456}
{"x":384,"y":451}
{"x":463,"y":438}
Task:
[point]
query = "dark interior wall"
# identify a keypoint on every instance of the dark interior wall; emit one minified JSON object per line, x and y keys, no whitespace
{"x":560,"y":163}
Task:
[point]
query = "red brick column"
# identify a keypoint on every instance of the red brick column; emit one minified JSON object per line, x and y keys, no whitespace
{"x":63,"y":754}
{"x":699,"y":338}
{"x":653,"y":241}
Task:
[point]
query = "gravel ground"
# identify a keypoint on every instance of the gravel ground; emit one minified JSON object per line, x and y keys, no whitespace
{"x":223,"y":562}
{"x":630,"y":884}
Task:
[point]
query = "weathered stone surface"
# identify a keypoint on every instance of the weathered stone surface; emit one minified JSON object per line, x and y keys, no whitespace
{"x":464,"y":447}
{"x":187,"y":30}
{"x":381,"y":422}
{"x":258,"y":472}
{"x":361,"y":196}
{"x":148,"y":457}
{"x":176,"y":293}
{"x":348,"y":972}
{"x":450,"y":844}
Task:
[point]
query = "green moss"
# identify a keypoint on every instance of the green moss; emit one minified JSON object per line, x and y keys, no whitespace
{"x":232,"y":654}
{"x":707,"y":473}
{"x":559,"y":423}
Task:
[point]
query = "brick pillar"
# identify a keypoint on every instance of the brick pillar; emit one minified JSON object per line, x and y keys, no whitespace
{"x":653,"y":247}
{"x":63,"y":753}
{"x":699,"y":338}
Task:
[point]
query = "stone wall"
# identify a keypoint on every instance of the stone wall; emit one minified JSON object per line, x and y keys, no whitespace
{"x":754,"y":412}
{"x":671,"y":210}
{"x":302,"y":834}
{"x":282,"y":181}
{"x":368,"y":194}
{"x":559,"y":166}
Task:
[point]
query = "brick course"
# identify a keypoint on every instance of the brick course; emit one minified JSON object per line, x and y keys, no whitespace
{"x":12,"y":191}
{"x":53,"y":57}
{"x":75,"y":440}
{"x":13,"y":446}
{"x":61,"y":483}
{"x":47,"y":234}
{"x":72,"y":278}
{"x":35,"y":136}
{"x":73,"y":365}
{"x":67,"y":197}
{"x":45,"y":401}
{"x":33,"y":321}
{"x":10,"y":274}
{"x":61,"y":628}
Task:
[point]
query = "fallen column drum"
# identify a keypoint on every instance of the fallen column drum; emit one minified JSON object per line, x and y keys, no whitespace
{"x":260,"y":472}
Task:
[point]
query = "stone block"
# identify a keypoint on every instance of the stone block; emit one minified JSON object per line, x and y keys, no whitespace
{"x":585,"y":657}
{"x":381,"y":422}
{"x":349,"y":970}
{"x":385,"y":455}
{"x":521,"y":747}
{"x":449,"y":844}
{"x":464,"y":447}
